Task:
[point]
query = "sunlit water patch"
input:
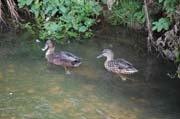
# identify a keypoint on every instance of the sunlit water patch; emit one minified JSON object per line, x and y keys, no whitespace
{"x":30,"y":88}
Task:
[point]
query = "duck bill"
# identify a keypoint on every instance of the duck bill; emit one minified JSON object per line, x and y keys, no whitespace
{"x":45,"y":48}
{"x":37,"y":41}
{"x":99,"y":56}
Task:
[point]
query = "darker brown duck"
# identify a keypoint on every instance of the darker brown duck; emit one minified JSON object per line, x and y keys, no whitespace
{"x":63,"y":58}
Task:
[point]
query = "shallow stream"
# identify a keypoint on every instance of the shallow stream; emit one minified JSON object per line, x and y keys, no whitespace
{"x":30,"y":88}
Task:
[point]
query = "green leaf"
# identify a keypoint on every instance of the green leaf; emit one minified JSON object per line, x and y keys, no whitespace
{"x":54,"y":12}
{"x":28,"y":2}
{"x":68,"y":2}
{"x":63,"y":9}
{"x":48,"y":8}
{"x":21,"y":3}
{"x":59,"y":36}
{"x":35,"y":9}
{"x":154,"y":28}
{"x":160,"y":1}
{"x":89,"y":22}
{"x":161,"y":24}
{"x":72,"y":34}
{"x":82,"y":29}
{"x":177,"y":59}
{"x":45,"y":1}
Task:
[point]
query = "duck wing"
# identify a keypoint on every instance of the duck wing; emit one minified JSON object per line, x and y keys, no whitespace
{"x":69,"y":56}
{"x":123,"y":64}
{"x":66,"y":56}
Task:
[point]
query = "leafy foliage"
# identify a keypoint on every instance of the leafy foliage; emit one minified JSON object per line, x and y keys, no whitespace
{"x":169,"y":9}
{"x":61,"y":19}
{"x":162,"y":24}
{"x":169,"y":6}
{"x":128,"y":12}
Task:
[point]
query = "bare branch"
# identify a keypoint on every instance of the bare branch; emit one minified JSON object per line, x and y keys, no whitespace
{"x":150,"y":39}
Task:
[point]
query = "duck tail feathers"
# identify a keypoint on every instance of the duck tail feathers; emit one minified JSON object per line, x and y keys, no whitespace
{"x":131,"y":70}
{"x":76,"y":63}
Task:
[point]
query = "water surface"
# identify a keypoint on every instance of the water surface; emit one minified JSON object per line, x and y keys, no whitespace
{"x":30,"y":88}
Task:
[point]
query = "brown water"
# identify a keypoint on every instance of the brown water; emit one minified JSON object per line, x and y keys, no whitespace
{"x":32,"y":89}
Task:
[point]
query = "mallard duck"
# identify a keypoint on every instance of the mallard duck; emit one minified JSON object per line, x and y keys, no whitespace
{"x":118,"y":66}
{"x":63,"y":58}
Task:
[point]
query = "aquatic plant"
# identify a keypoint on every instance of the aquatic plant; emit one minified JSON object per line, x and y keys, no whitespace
{"x":61,"y":19}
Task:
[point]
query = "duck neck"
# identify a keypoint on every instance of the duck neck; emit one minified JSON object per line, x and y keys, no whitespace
{"x":109,"y":58}
{"x":50,"y":51}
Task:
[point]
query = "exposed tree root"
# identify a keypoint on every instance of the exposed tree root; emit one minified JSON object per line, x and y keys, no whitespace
{"x":9,"y":5}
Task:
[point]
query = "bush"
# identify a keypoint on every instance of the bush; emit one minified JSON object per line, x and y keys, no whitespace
{"x":62,"y":19}
{"x":128,"y":13}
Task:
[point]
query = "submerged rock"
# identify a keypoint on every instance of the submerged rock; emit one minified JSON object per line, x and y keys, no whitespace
{"x":83,"y":117}
{"x":74,"y":101}
{"x":107,"y":117}
{"x":99,"y":111}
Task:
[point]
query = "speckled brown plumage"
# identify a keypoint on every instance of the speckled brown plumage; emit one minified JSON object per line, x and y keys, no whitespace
{"x":118,"y":66}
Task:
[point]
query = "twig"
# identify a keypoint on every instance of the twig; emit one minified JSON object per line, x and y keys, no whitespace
{"x":150,"y":39}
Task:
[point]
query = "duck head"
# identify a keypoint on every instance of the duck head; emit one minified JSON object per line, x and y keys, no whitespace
{"x":49,"y":46}
{"x":106,"y":53}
